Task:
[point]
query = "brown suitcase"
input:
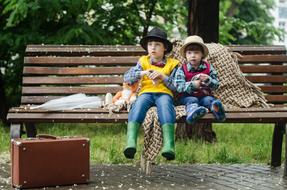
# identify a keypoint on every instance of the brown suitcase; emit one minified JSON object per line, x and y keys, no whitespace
{"x":49,"y":161}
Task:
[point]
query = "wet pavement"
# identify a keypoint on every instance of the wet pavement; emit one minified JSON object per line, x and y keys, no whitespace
{"x":171,"y":176}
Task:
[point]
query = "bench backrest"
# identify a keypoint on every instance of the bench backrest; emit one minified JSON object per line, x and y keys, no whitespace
{"x":53,"y":71}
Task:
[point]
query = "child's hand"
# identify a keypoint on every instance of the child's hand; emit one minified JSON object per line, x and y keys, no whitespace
{"x":197,"y":84}
{"x":203,"y":77}
{"x":155,"y":75}
{"x":144,"y":73}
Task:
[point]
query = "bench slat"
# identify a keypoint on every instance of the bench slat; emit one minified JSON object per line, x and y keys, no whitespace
{"x":69,"y":117}
{"x":78,"y":50}
{"x":242,"y":117}
{"x":26,"y":109}
{"x":276,"y":98}
{"x":269,"y":79}
{"x":131,"y":60}
{"x":74,"y":71}
{"x":72,"y":80}
{"x":70,"y":50}
{"x":258,"y":49}
{"x":274,"y":88}
{"x":263,"y":59}
{"x":70,"y":90}
{"x":121,"y":70}
{"x":81,"y":111}
{"x":37,"y":99}
{"x":100,"y":90}
{"x":263,"y":68}
{"x":111,"y":61}
{"x":42,"y":99}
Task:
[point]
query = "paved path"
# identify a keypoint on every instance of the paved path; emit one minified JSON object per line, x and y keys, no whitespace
{"x":181,"y":177}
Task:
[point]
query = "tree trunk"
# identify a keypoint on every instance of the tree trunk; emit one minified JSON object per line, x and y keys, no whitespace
{"x":3,"y":105}
{"x":203,"y":20}
{"x":198,"y":131}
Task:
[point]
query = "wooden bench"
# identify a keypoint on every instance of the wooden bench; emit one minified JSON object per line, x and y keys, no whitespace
{"x":53,"y":71}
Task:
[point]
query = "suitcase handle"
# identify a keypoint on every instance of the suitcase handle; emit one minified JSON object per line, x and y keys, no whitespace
{"x":46,"y":136}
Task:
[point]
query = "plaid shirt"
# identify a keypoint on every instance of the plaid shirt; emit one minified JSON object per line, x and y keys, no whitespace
{"x":184,"y":86}
{"x":133,"y":75}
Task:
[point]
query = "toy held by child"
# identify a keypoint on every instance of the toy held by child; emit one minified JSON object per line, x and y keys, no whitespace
{"x":195,"y":80}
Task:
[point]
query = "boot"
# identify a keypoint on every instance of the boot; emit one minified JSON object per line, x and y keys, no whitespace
{"x":168,"y":141}
{"x":218,"y":110}
{"x":194,"y":112}
{"x":132,"y":134}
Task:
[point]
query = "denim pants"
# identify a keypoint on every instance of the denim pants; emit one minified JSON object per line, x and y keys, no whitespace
{"x":163,"y":102}
{"x":200,"y":101}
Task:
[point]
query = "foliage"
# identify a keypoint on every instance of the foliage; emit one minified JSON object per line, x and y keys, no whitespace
{"x":247,"y":22}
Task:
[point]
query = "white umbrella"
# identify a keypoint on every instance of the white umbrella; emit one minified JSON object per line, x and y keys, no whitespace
{"x":71,"y":102}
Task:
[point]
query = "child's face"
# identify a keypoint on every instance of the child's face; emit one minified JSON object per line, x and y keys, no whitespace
{"x":155,"y":50}
{"x":193,"y":56}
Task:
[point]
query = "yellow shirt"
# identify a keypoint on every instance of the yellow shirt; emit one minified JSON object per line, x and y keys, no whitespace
{"x":146,"y":85}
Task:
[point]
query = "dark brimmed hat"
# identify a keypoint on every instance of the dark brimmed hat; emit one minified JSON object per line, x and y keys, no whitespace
{"x":158,"y":35}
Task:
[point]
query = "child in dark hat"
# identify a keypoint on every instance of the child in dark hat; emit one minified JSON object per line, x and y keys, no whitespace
{"x":155,"y":72}
{"x":195,"y":80}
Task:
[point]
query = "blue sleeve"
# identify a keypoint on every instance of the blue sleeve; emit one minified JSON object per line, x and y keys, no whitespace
{"x":169,"y":81}
{"x":133,"y":74}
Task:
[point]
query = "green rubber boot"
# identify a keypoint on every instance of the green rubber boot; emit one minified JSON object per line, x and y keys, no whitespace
{"x":132,"y":134}
{"x":168,"y":141}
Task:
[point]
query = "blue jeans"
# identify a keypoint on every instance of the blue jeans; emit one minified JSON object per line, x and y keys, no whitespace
{"x":163,"y":102}
{"x":200,"y":101}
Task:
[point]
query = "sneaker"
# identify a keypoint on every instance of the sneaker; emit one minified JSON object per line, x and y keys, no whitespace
{"x":218,"y":110}
{"x":195,"y":114}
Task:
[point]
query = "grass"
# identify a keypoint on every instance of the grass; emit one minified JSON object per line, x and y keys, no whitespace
{"x":236,"y":143}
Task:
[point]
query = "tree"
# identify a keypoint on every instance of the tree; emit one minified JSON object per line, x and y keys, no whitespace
{"x":247,"y":22}
{"x":203,"y":19}
{"x":3,"y":108}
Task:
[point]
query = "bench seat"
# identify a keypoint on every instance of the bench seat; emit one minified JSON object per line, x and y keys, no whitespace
{"x":100,"y":115}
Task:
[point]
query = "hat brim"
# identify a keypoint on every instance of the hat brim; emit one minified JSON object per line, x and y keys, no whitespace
{"x":146,"y":39}
{"x":204,"y":47}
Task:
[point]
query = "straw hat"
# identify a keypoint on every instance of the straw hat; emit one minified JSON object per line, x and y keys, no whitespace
{"x":158,"y":35}
{"x":194,"y":40}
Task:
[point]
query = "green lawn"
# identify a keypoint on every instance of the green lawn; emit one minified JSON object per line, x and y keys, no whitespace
{"x":236,"y":143}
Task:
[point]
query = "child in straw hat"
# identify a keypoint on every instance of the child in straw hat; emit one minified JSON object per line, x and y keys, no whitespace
{"x":195,"y":80}
{"x":155,"y":72}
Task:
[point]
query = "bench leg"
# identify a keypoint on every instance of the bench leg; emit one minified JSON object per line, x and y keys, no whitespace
{"x":15,"y":131}
{"x":285,"y":164}
{"x":278,"y":132}
{"x":31,"y":130}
